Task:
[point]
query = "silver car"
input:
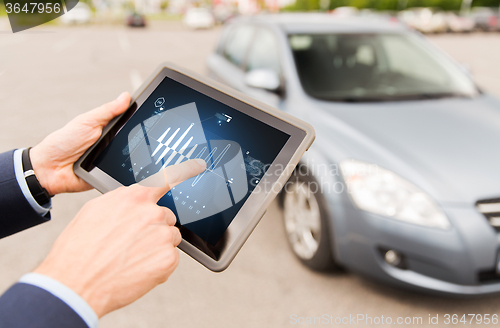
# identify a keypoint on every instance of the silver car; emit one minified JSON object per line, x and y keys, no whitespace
{"x":403,"y":181}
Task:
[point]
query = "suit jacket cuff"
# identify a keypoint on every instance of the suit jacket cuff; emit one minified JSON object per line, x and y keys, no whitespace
{"x":18,"y":169}
{"x":16,"y":213}
{"x":65,"y":294}
{"x":29,"y":306}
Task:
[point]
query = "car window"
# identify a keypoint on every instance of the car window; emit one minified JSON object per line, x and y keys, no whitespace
{"x":264,"y":52}
{"x":237,"y":43}
{"x":400,"y":52}
{"x":378,"y":66}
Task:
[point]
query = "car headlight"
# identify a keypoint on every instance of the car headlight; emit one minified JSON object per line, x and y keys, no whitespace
{"x":380,"y":191}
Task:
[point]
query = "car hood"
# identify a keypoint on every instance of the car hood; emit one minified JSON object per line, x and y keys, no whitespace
{"x":448,"y":147}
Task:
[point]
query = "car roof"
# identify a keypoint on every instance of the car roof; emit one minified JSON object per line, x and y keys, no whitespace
{"x":296,"y":23}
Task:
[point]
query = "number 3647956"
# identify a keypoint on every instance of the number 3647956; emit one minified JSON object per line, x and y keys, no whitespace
{"x":471,"y":319}
{"x":33,"y":8}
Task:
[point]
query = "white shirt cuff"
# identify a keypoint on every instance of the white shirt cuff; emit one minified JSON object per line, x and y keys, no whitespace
{"x":64,"y":293}
{"x":18,"y":169}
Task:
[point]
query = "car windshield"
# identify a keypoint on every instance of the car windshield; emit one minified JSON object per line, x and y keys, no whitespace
{"x":376,"y":67}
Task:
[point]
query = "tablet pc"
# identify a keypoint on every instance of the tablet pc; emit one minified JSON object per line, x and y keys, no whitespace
{"x":250,"y":148}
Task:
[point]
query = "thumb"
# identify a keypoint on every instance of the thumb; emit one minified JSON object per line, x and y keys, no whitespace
{"x":165,"y":179}
{"x":105,"y":113}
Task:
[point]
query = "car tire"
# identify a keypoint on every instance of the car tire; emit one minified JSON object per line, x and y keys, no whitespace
{"x":306,"y":222}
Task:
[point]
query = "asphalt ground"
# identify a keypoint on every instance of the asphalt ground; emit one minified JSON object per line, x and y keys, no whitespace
{"x":49,"y":75}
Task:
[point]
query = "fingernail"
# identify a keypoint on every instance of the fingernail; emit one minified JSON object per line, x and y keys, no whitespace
{"x":122,"y":96}
{"x":201,"y":162}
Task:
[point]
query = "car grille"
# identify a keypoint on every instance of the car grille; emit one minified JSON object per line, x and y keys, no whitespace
{"x":491,"y":210}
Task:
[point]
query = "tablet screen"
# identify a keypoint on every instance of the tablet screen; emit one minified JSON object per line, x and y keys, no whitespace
{"x":177,"y":123}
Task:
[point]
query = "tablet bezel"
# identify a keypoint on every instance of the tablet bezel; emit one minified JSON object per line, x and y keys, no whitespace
{"x":218,"y":257}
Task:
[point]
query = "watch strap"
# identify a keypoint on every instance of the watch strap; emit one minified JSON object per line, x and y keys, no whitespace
{"x":39,"y":193}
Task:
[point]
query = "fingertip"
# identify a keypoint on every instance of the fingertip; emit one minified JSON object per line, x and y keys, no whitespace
{"x":201,"y":163}
{"x":172,"y":175}
{"x":123,"y":96}
{"x":178,"y":173}
{"x":123,"y":100}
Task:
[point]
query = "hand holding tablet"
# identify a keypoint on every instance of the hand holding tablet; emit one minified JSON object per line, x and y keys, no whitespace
{"x":250,"y":149}
{"x":112,"y":262}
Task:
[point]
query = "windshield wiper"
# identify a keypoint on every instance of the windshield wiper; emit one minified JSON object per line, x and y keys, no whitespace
{"x":419,"y":96}
{"x":356,"y":99}
{"x":439,"y":95}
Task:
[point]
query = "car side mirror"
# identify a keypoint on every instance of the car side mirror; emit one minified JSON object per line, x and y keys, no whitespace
{"x":263,"y":79}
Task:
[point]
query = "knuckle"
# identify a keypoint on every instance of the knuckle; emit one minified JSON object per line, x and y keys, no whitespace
{"x":171,"y":259}
{"x":167,"y":236}
{"x":176,"y":236}
{"x":133,"y":189}
{"x":174,"y":258}
{"x":150,"y":215}
{"x":168,"y":263}
{"x":137,"y":193}
{"x":157,"y":214}
{"x":171,"y":218}
{"x":120,"y":191}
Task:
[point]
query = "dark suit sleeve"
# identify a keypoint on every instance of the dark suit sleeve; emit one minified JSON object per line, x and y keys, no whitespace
{"x":24,"y":305}
{"x":27,"y":306}
{"x":16,"y":214}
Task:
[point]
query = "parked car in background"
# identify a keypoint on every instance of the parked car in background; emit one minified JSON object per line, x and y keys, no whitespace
{"x":79,"y":14}
{"x":370,"y":13}
{"x":135,"y":19}
{"x":223,"y":13}
{"x":425,"y":20}
{"x":485,"y":19}
{"x":198,"y":18}
{"x":459,"y":24}
{"x":402,"y":182}
{"x":345,"y":11}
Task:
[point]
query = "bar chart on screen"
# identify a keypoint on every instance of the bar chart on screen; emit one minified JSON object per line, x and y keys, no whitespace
{"x":177,"y":135}
{"x":167,"y":138}
{"x":169,"y":151}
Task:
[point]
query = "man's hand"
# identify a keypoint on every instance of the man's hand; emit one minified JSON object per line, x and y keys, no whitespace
{"x":120,"y":245}
{"x":54,"y":157}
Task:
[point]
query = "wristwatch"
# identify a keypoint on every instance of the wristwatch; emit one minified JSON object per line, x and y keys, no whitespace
{"x":39,"y":193}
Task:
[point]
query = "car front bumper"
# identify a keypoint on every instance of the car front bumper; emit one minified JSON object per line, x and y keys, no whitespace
{"x":451,"y":261}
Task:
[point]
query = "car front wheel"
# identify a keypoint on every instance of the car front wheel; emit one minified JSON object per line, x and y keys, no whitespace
{"x":306,"y":223}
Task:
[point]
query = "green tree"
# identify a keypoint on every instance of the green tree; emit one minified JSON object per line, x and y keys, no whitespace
{"x":314,"y":5}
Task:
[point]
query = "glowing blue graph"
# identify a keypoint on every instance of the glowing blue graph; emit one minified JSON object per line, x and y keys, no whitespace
{"x":174,"y":147}
{"x":176,"y":135}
